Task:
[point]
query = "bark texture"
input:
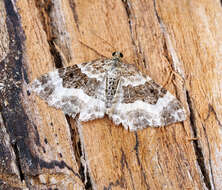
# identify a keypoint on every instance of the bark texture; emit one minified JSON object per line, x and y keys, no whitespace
{"x":177,"y":43}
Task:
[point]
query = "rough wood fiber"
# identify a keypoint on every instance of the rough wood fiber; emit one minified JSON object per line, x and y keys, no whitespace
{"x":178,"y":43}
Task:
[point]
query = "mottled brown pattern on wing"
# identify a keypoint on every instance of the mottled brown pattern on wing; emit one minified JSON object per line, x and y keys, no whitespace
{"x":44,"y":79}
{"x":71,"y":105}
{"x":98,"y":66}
{"x":149,"y":92}
{"x":111,"y":89}
{"x":72,"y":77}
{"x":42,"y":82}
{"x":128,"y":70}
{"x":95,"y":67}
{"x":140,"y":118}
{"x":166,"y":115}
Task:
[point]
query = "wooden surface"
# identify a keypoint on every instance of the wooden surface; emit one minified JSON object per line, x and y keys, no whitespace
{"x":177,"y":43}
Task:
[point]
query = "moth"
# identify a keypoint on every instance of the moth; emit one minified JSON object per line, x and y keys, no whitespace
{"x":111,"y":87}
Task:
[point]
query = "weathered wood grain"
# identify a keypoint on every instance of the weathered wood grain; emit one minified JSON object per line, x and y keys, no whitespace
{"x":177,"y":43}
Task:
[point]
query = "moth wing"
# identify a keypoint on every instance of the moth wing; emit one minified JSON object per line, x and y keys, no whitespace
{"x":141,"y":103}
{"x":75,"y":89}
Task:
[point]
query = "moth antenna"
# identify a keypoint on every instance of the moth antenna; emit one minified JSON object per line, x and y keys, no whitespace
{"x":113,"y":48}
{"x":84,"y":44}
{"x":105,"y":41}
{"x":124,"y":50}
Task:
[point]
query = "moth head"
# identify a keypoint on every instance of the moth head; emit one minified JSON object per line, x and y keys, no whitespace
{"x":117,"y":55}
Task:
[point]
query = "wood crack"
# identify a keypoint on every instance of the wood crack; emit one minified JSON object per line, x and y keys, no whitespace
{"x":143,"y":174}
{"x":197,"y":146}
{"x":211,"y":110}
{"x":124,"y":163}
{"x":78,"y":152}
